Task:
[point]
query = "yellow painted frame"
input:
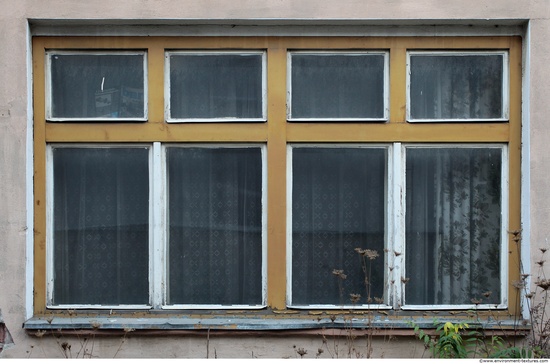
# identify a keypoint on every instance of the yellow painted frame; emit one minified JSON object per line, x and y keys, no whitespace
{"x":276,"y":132}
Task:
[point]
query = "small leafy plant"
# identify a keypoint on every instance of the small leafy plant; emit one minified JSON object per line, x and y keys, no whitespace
{"x":450,"y":341}
{"x":456,"y":341}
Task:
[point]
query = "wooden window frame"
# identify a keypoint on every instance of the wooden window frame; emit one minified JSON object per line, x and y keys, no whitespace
{"x":277,"y":132}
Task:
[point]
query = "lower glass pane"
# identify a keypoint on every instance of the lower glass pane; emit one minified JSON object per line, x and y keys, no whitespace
{"x":338,"y":225}
{"x":215,"y":226}
{"x":453,"y":225}
{"x":101,"y":226}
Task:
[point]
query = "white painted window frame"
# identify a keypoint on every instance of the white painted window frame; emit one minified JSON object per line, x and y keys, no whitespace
{"x":401,"y":271}
{"x":50,"y":226}
{"x":343,"y":53}
{"x":395,"y":257}
{"x":163,"y":195}
{"x":158,"y":213}
{"x":388,"y":225}
{"x":48,"y":91}
{"x":167,"y":98}
{"x":505,"y":87}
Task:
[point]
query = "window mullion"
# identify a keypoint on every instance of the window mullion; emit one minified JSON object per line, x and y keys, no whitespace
{"x":505,"y":215}
{"x":397,"y":230}
{"x":157,"y":222}
{"x":49,"y":224}
{"x":276,"y":178}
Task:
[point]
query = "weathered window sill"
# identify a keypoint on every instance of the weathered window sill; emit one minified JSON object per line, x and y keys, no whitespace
{"x":377,"y":325}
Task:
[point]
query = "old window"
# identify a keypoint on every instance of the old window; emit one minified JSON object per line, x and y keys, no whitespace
{"x":341,"y":245}
{"x":455,"y":220}
{"x":213,"y":86}
{"x":338,"y":86}
{"x":458,"y":86}
{"x":96,"y":85}
{"x":215,"y":226}
{"x":246,"y":175}
{"x":100,"y":225}
{"x":104,"y":239}
{"x":338,"y":205}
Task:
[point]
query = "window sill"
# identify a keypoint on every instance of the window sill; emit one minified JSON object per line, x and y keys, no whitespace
{"x":261,"y":323}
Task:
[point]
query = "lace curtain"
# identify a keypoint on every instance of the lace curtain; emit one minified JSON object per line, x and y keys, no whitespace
{"x":338,"y":205}
{"x":101,"y":226}
{"x":101,"y":220}
{"x":337,"y":85}
{"x":453,"y":225}
{"x":456,"y":87}
{"x":215,"y":226}
{"x":216,"y":86}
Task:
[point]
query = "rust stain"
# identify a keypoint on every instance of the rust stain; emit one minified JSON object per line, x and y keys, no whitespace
{"x":285,"y":311}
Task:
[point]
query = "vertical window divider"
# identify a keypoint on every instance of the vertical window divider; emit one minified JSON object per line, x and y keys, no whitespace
{"x":506,"y":85}
{"x":276,"y":180}
{"x":505,"y":211}
{"x":155,"y":73}
{"x":264,"y":225}
{"x":397,"y":93}
{"x":387,"y":94}
{"x":48,"y":86}
{"x":289,"y":225}
{"x":396,"y":246}
{"x":49,"y":225}
{"x":157,"y":242}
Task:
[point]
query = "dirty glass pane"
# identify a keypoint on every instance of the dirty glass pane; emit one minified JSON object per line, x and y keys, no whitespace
{"x":215,"y":226}
{"x":337,"y":86}
{"x":453,"y":225}
{"x":338,"y":206}
{"x":103,"y":86}
{"x":101,"y":226}
{"x":456,"y":86}
{"x":216,"y":86}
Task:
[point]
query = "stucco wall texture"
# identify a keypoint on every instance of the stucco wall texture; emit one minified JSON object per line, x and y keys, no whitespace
{"x":16,"y":111}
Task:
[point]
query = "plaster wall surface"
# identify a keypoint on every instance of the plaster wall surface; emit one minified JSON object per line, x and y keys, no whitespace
{"x":15,"y":113}
{"x":226,"y":347}
{"x":279,"y":9}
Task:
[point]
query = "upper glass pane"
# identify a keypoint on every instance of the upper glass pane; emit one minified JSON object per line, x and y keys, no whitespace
{"x":215,"y":226}
{"x":338,"y":225}
{"x":101,"y":226}
{"x":337,"y":86}
{"x":456,"y":86}
{"x":453,"y":226}
{"x":96,"y":86}
{"x":216,"y":86}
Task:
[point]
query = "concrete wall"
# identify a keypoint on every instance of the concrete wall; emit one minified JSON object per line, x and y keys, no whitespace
{"x":15,"y":113}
